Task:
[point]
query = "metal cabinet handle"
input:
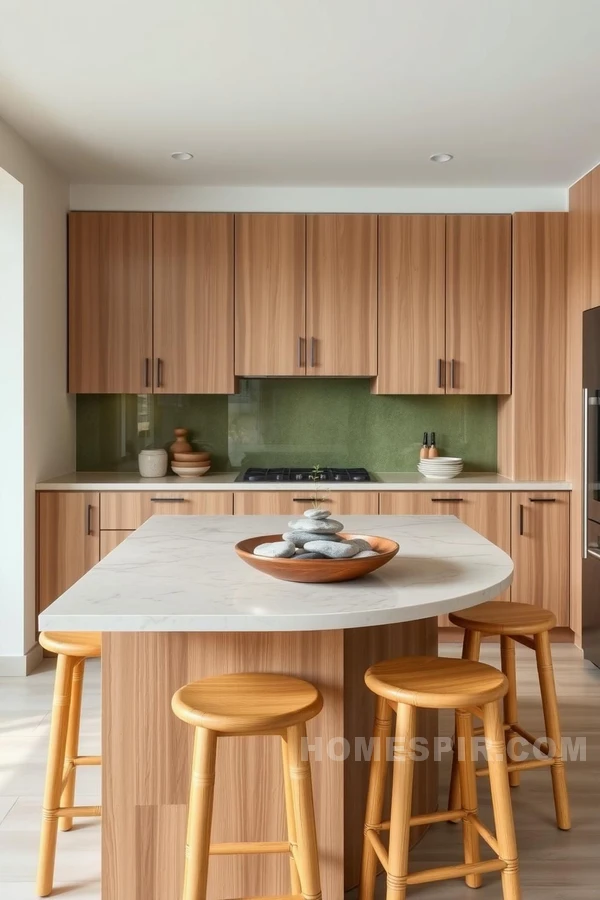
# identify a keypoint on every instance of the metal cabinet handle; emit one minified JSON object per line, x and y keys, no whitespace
{"x":452,"y":373}
{"x":440,"y":366}
{"x":542,"y":499}
{"x":167,"y":499}
{"x":593,"y":551}
{"x":313,"y":352}
{"x":447,"y":499}
{"x":585,"y":498}
{"x":309,"y":500}
{"x":159,"y":372}
{"x":147,"y":372}
{"x":521,"y":519}
{"x":301,"y":352}
{"x":88,"y":519}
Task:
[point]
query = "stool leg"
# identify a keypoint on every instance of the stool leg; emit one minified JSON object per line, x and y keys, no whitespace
{"x":403,"y":766}
{"x":382,"y":730}
{"x":72,"y":745}
{"x":501,"y":802}
{"x":291,"y":822}
{"x":202,"y":788}
{"x":511,"y":712}
{"x":54,"y":772}
{"x":471,"y":650}
{"x":304,"y":814}
{"x":468,"y":792}
{"x":543,"y":655}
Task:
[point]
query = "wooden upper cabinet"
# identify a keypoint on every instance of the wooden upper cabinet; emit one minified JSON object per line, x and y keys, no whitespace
{"x":412,"y":305}
{"x":193,"y":303}
{"x":341,"y":295}
{"x":270,"y":296}
{"x":478,"y":304}
{"x":110,"y":302}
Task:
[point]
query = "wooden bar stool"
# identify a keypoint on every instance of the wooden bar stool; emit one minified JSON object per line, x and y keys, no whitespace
{"x":403,"y":685}
{"x":73,"y":648}
{"x":251,"y":704}
{"x":514,"y":622}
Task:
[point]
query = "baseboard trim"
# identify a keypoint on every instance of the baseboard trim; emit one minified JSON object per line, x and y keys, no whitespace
{"x":15,"y":666}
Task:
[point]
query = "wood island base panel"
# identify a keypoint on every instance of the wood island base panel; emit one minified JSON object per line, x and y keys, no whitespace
{"x":146,"y":755}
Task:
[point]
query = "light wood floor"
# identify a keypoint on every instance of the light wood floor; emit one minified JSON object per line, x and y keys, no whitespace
{"x":554,"y":865}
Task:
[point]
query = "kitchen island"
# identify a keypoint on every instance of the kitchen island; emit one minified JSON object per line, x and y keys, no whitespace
{"x":175,"y":604}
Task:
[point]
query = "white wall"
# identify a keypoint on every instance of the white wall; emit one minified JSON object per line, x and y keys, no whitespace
{"x":37,"y":430}
{"x":317,"y":199}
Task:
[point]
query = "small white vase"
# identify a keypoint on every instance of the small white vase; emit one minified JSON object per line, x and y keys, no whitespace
{"x":153,"y":463}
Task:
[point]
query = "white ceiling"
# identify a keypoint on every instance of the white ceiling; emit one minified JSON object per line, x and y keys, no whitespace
{"x":306,"y":92}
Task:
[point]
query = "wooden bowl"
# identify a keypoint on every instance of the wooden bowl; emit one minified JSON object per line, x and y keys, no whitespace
{"x":317,"y":571}
{"x":190,"y":464}
{"x":194,"y":457}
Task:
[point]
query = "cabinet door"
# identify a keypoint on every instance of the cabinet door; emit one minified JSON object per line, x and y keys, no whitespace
{"x":127,"y":510}
{"x":110,"y":302}
{"x":540,"y":550}
{"x":193,"y":303}
{"x":111,"y":539}
{"x":341,"y":295}
{"x":412,"y":305}
{"x":487,"y":512}
{"x":478,"y":298}
{"x":273,"y":503}
{"x":270,"y":296}
{"x":68,"y":541}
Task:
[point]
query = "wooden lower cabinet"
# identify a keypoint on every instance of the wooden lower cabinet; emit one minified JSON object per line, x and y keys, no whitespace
{"x":487,"y":512}
{"x":127,"y":510}
{"x":111,"y":539}
{"x":68,"y":537}
{"x":540,"y":550}
{"x":273,"y":503}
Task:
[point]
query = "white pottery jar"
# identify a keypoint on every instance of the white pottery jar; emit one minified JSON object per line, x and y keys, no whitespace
{"x":153,"y":463}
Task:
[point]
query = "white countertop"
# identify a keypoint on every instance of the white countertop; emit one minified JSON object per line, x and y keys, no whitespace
{"x":181,"y":573}
{"x":382,"y":481}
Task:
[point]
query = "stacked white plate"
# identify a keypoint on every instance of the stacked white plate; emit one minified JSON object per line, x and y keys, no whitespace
{"x":441,"y":467}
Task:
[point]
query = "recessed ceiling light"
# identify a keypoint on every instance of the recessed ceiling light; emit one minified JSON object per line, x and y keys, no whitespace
{"x":182,"y":156}
{"x":441,"y":157}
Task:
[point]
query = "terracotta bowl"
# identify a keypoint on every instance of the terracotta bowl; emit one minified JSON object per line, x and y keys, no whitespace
{"x":193,"y":457}
{"x":190,"y":464}
{"x":317,"y":571}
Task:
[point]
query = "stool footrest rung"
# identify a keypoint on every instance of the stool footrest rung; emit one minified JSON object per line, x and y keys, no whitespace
{"x":444,"y":872}
{"x":520,"y":766}
{"x":73,"y":812}
{"x":243,"y":848}
{"x":278,"y":897}
{"x":87,"y":761}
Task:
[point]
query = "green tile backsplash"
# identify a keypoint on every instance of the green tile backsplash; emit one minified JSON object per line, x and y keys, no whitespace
{"x":291,"y":422}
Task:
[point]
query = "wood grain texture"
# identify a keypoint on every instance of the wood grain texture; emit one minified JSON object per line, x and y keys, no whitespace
{"x":341,"y":294}
{"x":270,"y":295}
{"x":111,"y":539}
{"x":147,"y":758}
{"x":126,"y":510}
{"x":478,"y":301}
{"x":540,"y":554}
{"x":110,"y":302}
{"x":487,"y":512}
{"x":193,"y":303}
{"x":65,"y":550}
{"x":411,"y":305}
{"x":531,"y":422}
{"x":583,"y":292}
{"x":275,"y":503}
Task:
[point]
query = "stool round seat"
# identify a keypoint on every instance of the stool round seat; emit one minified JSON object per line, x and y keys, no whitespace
{"x":247,"y":703}
{"x":504,"y":617}
{"x":433,"y":682}
{"x":87,"y":644}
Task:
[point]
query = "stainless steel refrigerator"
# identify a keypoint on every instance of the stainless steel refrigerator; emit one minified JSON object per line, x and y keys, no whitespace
{"x":591,"y":485}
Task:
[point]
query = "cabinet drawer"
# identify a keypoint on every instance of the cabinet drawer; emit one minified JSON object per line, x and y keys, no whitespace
{"x":293,"y":503}
{"x":126,"y":510}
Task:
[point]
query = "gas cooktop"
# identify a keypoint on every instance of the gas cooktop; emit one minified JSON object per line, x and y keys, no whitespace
{"x":307,"y":475}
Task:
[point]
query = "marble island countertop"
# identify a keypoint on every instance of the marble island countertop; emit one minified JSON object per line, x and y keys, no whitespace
{"x":382,"y":481}
{"x":181,"y":574}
